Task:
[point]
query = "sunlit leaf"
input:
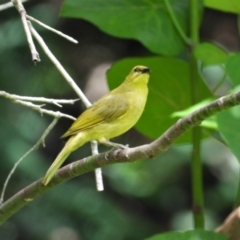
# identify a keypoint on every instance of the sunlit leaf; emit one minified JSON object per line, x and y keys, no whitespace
{"x":223,"y":5}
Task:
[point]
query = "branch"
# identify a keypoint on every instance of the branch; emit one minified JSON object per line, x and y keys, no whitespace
{"x":29,"y":31}
{"x":44,"y":111}
{"x":24,"y":101}
{"x":19,"y":100}
{"x":52,"y":29}
{"x":19,"y":6}
{"x":98,"y":171}
{"x":8,"y":5}
{"x":151,"y":150}
{"x":75,"y":88}
{"x":56,"y":102}
{"x":39,"y":142}
{"x":58,"y":65}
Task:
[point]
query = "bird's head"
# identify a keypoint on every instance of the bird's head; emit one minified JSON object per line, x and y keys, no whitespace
{"x":139,"y":74}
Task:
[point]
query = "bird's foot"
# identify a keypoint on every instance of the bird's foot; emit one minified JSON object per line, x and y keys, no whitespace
{"x":114,"y":145}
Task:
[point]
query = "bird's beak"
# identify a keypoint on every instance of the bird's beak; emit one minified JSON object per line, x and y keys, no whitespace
{"x":146,"y":70}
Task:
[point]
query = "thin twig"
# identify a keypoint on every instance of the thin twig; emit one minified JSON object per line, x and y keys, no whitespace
{"x":44,"y":111}
{"x":8,"y":5}
{"x":56,"y":102}
{"x":52,"y":29}
{"x":19,"y":6}
{"x":59,"y":66}
{"x":98,"y":171}
{"x":152,"y":149}
{"x":39,"y":142}
{"x":69,"y":80}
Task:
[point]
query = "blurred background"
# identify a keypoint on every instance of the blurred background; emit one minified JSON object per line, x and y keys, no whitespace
{"x":140,"y":199}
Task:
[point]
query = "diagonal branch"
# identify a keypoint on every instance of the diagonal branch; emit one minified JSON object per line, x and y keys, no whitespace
{"x":59,"y":66}
{"x":52,"y":29}
{"x":151,"y":150}
{"x":8,"y":5}
{"x":39,"y":142}
{"x":74,"y":86}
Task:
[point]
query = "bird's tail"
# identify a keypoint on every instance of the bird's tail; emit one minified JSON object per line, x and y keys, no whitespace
{"x":56,"y":164}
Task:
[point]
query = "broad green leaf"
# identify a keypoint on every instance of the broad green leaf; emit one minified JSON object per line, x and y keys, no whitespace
{"x":224,"y":5}
{"x":147,"y":21}
{"x":196,"y":234}
{"x":229,"y":128}
{"x":210,"y":54}
{"x":232,"y":68}
{"x":169,"y":91}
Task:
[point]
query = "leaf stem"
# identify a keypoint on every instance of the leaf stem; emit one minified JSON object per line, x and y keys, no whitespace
{"x":194,"y":25}
{"x":197,"y":181}
{"x":176,"y":23}
{"x":196,"y":164}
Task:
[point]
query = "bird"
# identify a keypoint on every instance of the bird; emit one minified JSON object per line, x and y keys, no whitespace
{"x":112,"y":115}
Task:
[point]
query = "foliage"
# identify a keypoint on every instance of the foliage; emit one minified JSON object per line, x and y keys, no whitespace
{"x":188,"y":235}
{"x":151,"y":194}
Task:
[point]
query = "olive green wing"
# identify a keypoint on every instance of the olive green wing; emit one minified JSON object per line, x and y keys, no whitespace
{"x":106,"y":109}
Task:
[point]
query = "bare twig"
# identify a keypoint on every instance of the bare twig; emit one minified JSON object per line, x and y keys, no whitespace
{"x":44,"y":111}
{"x":52,"y":29}
{"x":82,"y":166}
{"x":29,"y":31}
{"x":39,"y":142}
{"x":8,"y":5}
{"x":59,"y":66}
{"x":98,"y":171}
{"x":70,"y":82}
{"x":19,"y":6}
{"x":56,"y":102}
{"x":24,"y":101}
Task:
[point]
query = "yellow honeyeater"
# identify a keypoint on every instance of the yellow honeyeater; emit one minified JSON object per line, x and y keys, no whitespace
{"x":111,"y":116}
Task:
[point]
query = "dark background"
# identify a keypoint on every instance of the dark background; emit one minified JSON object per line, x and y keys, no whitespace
{"x":140,"y":199}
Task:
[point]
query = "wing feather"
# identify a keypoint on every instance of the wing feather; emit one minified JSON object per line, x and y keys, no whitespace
{"x":106,"y":109}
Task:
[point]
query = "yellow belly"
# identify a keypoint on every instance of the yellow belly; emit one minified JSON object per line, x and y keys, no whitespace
{"x":111,"y":129}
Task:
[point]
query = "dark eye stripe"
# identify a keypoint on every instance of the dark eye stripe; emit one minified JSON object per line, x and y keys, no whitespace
{"x":137,"y":70}
{"x":142,"y":70}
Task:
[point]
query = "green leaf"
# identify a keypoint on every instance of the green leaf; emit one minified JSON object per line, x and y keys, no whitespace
{"x":232,"y":68}
{"x":208,"y":123}
{"x":229,"y":128}
{"x":191,"y":109}
{"x":210,"y":54}
{"x":196,"y":234}
{"x":147,"y":21}
{"x":169,"y":91}
{"x":223,"y":5}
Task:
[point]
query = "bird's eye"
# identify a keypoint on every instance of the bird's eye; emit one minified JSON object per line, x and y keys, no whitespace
{"x":137,"y":70}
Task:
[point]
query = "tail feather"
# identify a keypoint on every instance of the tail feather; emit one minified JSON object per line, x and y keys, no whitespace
{"x":72,"y":144}
{"x":56,"y":164}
